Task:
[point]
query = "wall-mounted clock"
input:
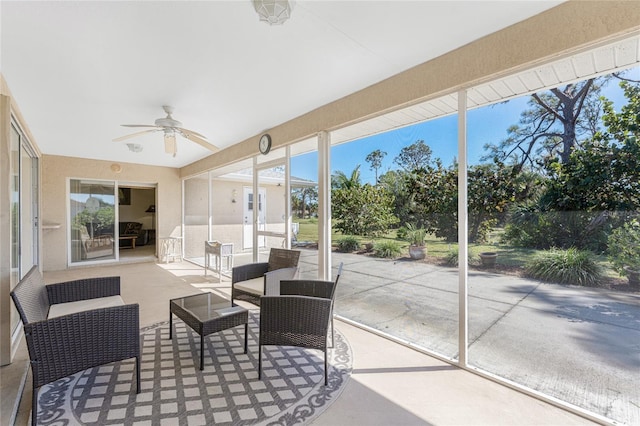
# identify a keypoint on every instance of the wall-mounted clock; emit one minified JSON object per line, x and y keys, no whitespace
{"x":265,"y":143}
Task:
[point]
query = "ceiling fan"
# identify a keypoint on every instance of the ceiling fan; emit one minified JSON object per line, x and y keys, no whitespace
{"x":170,"y":127}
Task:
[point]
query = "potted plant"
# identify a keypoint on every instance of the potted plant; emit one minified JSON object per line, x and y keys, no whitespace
{"x":488,"y":258}
{"x":624,"y":251}
{"x":416,"y":237}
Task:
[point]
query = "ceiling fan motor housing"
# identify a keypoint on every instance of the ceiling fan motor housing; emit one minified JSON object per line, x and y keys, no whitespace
{"x":167,"y":122}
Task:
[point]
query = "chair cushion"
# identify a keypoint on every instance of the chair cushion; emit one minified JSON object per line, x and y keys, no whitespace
{"x":253,"y":286}
{"x":60,"y":309}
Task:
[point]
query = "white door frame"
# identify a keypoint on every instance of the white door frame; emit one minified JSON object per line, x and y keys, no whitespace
{"x":248,"y":221}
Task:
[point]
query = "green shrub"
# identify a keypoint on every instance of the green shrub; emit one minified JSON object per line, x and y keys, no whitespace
{"x":388,"y":249}
{"x":451,"y":258}
{"x":348,"y":244}
{"x":624,"y":247}
{"x":401,"y":233}
{"x":571,"y":266}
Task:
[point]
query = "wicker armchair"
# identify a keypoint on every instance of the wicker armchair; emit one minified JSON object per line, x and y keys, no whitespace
{"x":250,"y":282}
{"x":61,"y":343}
{"x":300,"y":316}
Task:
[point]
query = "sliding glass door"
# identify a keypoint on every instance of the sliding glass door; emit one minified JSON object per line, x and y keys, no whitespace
{"x":92,"y":209}
{"x":22,"y":233}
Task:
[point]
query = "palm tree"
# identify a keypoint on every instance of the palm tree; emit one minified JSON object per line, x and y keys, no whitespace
{"x":339,"y":180}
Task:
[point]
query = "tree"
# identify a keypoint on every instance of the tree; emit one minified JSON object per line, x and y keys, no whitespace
{"x":309,"y":195}
{"x":98,"y":222}
{"x":552,"y":125}
{"x":362,"y":210}
{"x":605,"y":174}
{"x":303,"y":199}
{"x":340,"y":180}
{"x":414,"y":156}
{"x":596,"y":190}
{"x":375,"y":160}
{"x":394,"y":183}
{"x":491,"y":189}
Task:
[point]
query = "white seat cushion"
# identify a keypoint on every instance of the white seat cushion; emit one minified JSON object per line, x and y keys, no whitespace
{"x":60,"y":309}
{"x":253,"y":286}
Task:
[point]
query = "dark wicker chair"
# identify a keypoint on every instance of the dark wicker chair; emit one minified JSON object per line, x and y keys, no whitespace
{"x":313,"y":288}
{"x":64,"y":345}
{"x":299,"y":316}
{"x":250,"y":282}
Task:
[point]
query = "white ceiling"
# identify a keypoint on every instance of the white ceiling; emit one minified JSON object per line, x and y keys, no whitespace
{"x":79,"y":69}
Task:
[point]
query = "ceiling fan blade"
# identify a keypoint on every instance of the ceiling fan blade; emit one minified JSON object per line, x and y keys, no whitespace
{"x":141,"y":125}
{"x":133,"y":135}
{"x":197,"y":138}
{"x":192,"y":132}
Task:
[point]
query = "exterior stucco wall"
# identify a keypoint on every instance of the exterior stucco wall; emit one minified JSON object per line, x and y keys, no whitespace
{"x":57,"y":169}
{"x":227,"y":215}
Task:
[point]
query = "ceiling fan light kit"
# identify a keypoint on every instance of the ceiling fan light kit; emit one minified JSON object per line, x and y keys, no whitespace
{"x":170,"y":146}
{"x":273,"y":12}
{"x":170,"y":127}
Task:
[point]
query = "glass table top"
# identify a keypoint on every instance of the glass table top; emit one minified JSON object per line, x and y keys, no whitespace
{"x":207,"y":306}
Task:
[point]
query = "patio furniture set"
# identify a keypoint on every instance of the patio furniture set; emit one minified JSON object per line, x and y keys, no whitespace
{"x":76,"y":325}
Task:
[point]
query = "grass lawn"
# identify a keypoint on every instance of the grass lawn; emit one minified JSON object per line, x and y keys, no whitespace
{"x":510,"y":259}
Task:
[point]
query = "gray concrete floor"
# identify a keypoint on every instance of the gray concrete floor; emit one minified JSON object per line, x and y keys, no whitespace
{"x":390,"y":385}
{"x":580,"y":345}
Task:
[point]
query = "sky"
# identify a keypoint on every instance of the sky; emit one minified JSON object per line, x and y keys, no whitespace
{"x":484,"y":125}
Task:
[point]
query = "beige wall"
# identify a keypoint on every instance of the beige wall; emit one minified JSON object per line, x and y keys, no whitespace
{"x":55,"y":172}
{"x":552,"y":34}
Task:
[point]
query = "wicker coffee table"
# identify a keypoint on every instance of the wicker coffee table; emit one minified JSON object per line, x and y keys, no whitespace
{"x":207,"y":313}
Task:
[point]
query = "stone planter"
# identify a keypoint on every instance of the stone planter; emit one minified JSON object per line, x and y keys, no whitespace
{"x":634,"y":276}
{"x":417,"y":252}
{"x":488,"y":258}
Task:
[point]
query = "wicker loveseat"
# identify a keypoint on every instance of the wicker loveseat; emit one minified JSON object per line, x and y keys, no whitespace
{"x":75,"y":325}
{"x":250,"y":282}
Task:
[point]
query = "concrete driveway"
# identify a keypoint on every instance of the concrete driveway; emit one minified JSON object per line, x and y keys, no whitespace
{"x":577,"y":344}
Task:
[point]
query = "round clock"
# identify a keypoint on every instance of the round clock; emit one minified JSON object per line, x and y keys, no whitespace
{"x":265,"y":143}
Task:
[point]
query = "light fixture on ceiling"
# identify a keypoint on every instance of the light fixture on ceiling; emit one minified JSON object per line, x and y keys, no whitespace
{"x":273,"y":12}
{"x":170,"y":146}
{"x":135,"y":147}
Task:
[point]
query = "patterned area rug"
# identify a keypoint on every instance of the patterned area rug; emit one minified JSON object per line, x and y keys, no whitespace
{"x":175,"y":392}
